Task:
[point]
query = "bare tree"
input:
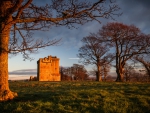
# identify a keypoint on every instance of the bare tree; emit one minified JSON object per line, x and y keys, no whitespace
{"x":105,"y":70}
{"x":75,"y":72}
{"x":65,"y":74}
{"x":128,"y":71}
{"x":23,"y":15}
{"x":127,"y":41}
{"x":79,"y":72}
{"x":94,"y":52}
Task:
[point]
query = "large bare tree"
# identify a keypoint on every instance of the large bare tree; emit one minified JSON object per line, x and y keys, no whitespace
{"x":127,"y":40}
{"x":23,"y":15}
{"x":94,"y":52}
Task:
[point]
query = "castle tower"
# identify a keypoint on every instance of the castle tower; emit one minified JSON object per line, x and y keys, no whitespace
{"x":48,"y":69}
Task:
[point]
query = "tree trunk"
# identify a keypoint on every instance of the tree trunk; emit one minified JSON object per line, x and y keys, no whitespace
{"x":5,"y":26}
{"x":98,"y":74}
{"x":119,"y":67}
{"x":105,"y":72}
{"x":105,"y":77}
{"x":120,"y":75}
{"x":5,"y":93}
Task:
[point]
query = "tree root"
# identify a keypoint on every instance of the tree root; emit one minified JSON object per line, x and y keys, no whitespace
{"x":7,"y":95}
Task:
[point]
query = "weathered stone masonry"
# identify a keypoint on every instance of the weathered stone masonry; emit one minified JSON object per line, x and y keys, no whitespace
{"x":48,"y":69}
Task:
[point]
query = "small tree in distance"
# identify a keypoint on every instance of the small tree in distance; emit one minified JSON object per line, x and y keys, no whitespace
{"x":75,"y":72}
{"x":65,"y":74}
{"x":79,"y":72}
{"x":105,"y":70}
{"x":23,"y":15}
{"x":128,"y":71}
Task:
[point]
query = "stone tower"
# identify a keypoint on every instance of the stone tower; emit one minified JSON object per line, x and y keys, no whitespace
{"x":48,"y":69}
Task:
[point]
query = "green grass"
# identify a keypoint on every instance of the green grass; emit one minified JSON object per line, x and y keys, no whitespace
{"x":78,"y":97}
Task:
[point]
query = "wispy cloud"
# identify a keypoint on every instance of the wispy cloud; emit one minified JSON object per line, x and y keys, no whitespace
{"x":18,"y":77}
{"x":74,"y":58}
{"x":24,"y":72}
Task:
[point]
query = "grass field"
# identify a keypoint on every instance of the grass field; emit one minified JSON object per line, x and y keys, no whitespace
{"x":78,"y":97}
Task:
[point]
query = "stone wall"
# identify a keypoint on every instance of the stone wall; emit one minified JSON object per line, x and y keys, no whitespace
{"x":48,"y":69}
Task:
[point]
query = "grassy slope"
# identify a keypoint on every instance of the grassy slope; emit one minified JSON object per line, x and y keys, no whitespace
{"x":78,"y":97}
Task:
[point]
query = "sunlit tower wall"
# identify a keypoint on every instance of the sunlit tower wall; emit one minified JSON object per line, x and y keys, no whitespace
{"x":48,"y":69}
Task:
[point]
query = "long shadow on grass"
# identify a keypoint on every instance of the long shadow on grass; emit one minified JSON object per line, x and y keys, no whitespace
{"x":38,"y":96}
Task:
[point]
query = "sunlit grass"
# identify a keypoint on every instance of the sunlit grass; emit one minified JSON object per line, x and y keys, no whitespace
{"x":78,"y":97}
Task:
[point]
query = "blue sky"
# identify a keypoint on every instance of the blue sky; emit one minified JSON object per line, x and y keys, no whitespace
{"x":134,"y":12}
